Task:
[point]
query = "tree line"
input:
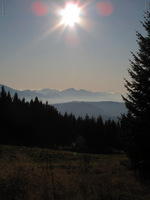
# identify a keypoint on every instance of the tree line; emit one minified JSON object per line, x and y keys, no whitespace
{"x":39,"y":124}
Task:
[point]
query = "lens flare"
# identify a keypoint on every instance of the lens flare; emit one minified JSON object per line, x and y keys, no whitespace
{"x":39,"y":8}
{"x":66,"y":17}
{"x":105,"y":8}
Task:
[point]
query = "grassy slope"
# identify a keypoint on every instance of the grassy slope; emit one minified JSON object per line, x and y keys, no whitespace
{"x":41,"y":174}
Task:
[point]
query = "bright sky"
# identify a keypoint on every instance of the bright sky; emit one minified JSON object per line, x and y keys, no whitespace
{"x":36,"y":52}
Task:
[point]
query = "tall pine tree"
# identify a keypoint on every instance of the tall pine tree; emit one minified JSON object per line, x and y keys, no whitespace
{"x":138,"y":101}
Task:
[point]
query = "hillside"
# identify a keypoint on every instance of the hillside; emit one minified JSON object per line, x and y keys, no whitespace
{"x":106,"y":109}
{"x":42,"y":174}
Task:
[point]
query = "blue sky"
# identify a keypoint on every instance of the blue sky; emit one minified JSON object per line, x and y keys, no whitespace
{"x":96,"y":59}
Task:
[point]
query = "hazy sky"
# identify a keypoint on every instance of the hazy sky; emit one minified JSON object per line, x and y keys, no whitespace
{"x":33,"y":55}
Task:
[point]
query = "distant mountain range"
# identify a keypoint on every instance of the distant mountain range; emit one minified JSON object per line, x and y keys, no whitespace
{"x":55,"y":96}
{"x":77,"y":102}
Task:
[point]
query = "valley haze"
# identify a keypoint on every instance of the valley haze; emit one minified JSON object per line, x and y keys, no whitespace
{"x":78,"y":102}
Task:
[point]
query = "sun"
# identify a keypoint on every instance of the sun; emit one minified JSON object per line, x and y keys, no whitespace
{"x":70,"y":14}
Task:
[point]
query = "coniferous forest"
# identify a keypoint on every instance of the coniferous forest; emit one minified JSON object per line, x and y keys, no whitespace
{"x":37,"y":124}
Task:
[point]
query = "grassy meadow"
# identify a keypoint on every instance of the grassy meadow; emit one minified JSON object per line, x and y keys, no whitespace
{"x":42,"y":174}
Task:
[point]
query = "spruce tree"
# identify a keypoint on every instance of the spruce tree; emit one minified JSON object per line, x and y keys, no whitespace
{"x":138,"y":101}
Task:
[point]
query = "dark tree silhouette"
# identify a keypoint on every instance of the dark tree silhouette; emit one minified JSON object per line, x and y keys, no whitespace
{"x":138,"y":102}
{"x":37,"y":124}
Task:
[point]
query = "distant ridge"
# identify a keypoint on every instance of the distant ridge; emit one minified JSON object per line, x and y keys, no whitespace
{"x":78,"y":102}
{"x":106,"y":109}
{"x":55,"y":96}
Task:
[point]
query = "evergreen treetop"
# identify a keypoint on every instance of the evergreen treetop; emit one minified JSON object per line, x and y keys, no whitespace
{"x":138,"y":97}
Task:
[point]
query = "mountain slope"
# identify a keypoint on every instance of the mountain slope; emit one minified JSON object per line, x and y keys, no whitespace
{"x":106,"y":109}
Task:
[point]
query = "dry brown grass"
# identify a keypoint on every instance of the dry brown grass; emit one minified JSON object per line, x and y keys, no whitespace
{"x":36,"y":174}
